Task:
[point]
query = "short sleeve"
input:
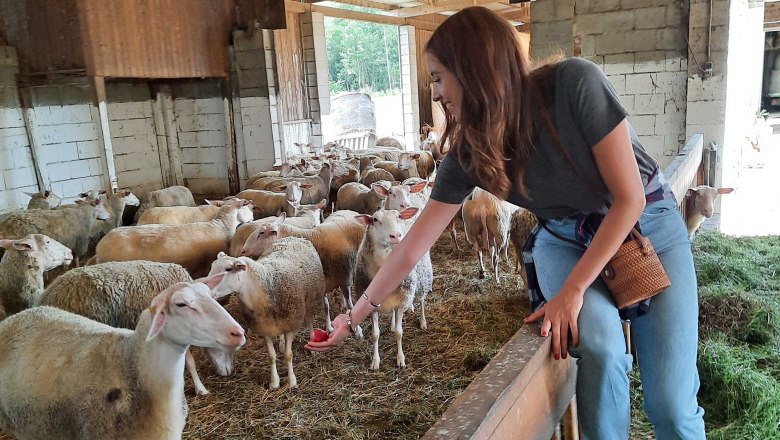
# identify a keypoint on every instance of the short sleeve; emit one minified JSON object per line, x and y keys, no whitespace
{"x":594,"y":101}
{"x":453,"y":184}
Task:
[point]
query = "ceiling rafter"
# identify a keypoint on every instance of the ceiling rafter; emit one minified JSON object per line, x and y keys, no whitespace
{"x":363,"y":3}
{"x":441,"y":6}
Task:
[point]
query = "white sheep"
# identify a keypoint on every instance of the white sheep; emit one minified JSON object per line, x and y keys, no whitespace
{"x":278,"y":294}
{"x":307,"y":217}
{"x":117,"y":293}
{"x":404,"y":168}
{"x":383,"y":232}
{"x":115,"y":205}
{"x":319,"y":190}
{"x":179,"y":215}
{"x":400,"y":198}
{"x":700,"y":204}
{"x":336,"y":240}
{"x":522,"y":223}
{"x":171,"y":196}
{"x":69,"y":226}
{"x":43,"y":200}
{"x":192,"y":245}
{"x":360,"y":198}
{"x":486,"y":220}
{"x":99,"y":382}
{"x":22,"y":267}
{"x":283,"y":198}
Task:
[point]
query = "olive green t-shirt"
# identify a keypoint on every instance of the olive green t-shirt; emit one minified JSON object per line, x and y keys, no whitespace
{"x":584,"y":109}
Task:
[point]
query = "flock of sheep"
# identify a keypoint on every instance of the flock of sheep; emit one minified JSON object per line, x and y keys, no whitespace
{"x":100,"y":351}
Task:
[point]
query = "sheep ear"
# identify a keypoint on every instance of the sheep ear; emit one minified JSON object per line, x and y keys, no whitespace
{"x":407,"y":213}
{"x":6,"y":244}
{"x":102,"y":191}
{"x":380,"y":189}
{"x":364,"y":219}
{"x":306,"y":186}
{"x":159,"y":315}
{"x":31,"y":194}
{"x":322,"y":203}
{"x":23,"y":245}
{"x":725,"y":190}
{"x":415,"y":156}
{"x":221,"y":254}
{"x":418,"y":187}
{"x":691,"y":192}
{"x":282,"y":217}
{"x":211,"y":281}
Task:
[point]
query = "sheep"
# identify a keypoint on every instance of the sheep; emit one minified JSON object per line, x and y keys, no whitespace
{"x":700,"y":204}
{"x":179,"y":215}
{"x":99,"y":382}
{"x":308,"y":216}
{"x":320,"y":189}
{"x":404,"y":168}
{"x":400,"y":198}
{"x":486,"y":220}
{"x":522,"y":223}
{"x":115,"y":205}
{"x":278,"y":293}
{"x":343,"y":173}
{"x":362,"y":199}
{"x":382,"y":233}
{"x":373,"y":175}
{"x":117,"y":293}
{"x":336,"y":240}
{"x":22,"y":268}
{"x":171,"y":196}
{"x":69,"y":226}
{"x":43,"y":200}
{"x":425,"y":163}
{"x":275,"y":202}
{"x":193,"y":245}
{"x":390,"y":142}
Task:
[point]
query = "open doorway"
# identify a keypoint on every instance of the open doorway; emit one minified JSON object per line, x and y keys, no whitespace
{"x":364,"y":80}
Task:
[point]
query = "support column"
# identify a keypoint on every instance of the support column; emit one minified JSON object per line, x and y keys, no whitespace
{"x":315,"y":60}
{"x":28,"y":113}
{"x":104,"y":133}
{"x":409,"y":96}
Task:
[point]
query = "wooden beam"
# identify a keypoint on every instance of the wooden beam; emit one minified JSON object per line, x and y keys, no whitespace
{"x":299,"y":8}
{"x":363,"y":3}
{"x":230,"y":138}
{"x":104,"y":134}
{"x":521,"y":13}
{"x":33,"y":137}
{"x":442,"y":5}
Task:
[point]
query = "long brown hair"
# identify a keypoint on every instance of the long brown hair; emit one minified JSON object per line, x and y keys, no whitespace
{"x":495,"y":131}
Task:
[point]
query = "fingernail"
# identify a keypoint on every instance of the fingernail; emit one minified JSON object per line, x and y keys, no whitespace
{"x":556,"y":357}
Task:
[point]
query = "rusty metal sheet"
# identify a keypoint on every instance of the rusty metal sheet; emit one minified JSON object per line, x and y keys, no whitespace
{"x":156,"y":38}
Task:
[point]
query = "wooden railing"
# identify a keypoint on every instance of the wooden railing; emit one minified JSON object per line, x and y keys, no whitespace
{"x":523,"y":392}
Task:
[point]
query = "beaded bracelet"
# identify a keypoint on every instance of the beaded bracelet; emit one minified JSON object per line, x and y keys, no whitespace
{"x":374,"y":305}
{"x":349,"y":321}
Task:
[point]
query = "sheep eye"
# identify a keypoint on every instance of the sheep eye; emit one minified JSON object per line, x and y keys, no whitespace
{"x":180,"y":305}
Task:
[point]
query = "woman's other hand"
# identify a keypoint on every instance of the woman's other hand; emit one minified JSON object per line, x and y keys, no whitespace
{"x":560,"y":316}
{"x":335,"y":338}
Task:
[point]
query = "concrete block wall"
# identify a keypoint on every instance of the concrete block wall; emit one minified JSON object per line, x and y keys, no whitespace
{"x":134,"y":138}
{"x":410,"y":103}
{"x":17,"y":172}
{"x":640,"y":46}
{"x":200,"y":120}
{"x":259,"y":140}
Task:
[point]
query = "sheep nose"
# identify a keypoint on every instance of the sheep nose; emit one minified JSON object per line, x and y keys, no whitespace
{"x":237,"y":336}
{"x":403,"y":206}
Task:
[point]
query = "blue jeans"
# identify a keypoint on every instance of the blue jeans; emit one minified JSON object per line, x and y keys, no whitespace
{"x":666,"y":338}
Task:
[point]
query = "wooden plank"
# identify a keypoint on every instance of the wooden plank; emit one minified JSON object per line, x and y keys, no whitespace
{"x":681,"y":172}
{"x":33,"y":137}
{"x":362,"y":3}
{"x":172,"y":136}
{"x":234,"y":183}
{"x":162,"y":139}
{"x":104,"y":136}
{"x":522,"y":390}
{"x":441,"y":6}
{"x":288,"y":51}
{"x":299,"y":8}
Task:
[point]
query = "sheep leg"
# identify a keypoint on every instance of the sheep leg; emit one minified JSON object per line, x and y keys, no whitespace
{"x":375,"y":338}
{"x":269,"y":342}
{"x":328,"y":323}
{"x":288,"y":356}
{"x":454,"y":235}
{"x":281,"y":343}
{"x":189,"y":360}
{"x":392,"y":321}
{"x":423,"y":321}
{"x":506,"y":256}
{"x":481,"y":264}
{"x":495,"y":258}
{"x":400,"y":360}
{"x":346,"y":292}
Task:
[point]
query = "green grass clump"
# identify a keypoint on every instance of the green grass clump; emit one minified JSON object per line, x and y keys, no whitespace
{"x":741,"y":401}
{"x":737,"y":263}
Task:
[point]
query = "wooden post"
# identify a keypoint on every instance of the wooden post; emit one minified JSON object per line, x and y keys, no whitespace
{"x":161,"y":137}
{"x":28,"y":114}
{"x":571,"y":426}
{"x":171,"y":134}
{"x":234,"y":182}
{"x":104,"y":134}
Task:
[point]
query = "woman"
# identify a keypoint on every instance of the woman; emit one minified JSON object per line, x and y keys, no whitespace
{"x":556,"y":141}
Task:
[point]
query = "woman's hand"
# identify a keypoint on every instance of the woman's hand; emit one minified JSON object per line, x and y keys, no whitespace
{"x":560,"y":315}
{"x":335,"y":338}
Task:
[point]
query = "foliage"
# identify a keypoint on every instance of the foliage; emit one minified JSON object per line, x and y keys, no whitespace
{"x":362,"y":56}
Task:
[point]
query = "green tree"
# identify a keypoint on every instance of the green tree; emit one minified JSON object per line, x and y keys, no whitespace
{"x":362,"y":56}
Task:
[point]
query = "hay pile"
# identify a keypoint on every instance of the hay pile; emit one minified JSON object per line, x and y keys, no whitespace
{"x":338,"y":396}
